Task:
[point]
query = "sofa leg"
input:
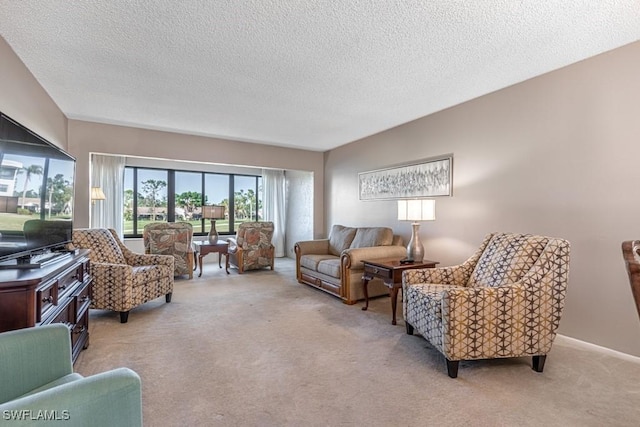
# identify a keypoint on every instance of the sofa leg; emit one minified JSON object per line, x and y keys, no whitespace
{"x":452,"y":368}
{"x":409,"y":328}
{"x":167,"y":297}
{"x":124,"y":316}
{"x":538,"y":362}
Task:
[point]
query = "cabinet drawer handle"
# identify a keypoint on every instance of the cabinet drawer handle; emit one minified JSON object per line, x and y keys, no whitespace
{"x":82,"y":329}
{"x":62,"y":287}
{"x":375,"y":270}
{"x":84,"y":298}
{"x":47,"y":299}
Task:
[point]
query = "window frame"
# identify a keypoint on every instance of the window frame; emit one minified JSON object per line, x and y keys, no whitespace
{"x":171,"y":197}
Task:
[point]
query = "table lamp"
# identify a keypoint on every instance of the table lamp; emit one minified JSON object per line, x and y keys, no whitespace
{"x":97,"y":194}
{"x":213,"y":213}
{"x":416,"y":211}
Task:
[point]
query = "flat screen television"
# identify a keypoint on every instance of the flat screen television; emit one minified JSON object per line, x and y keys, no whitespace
{"x":36,"y":197}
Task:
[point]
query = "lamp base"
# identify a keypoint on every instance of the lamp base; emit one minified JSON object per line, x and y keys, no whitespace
{"x":213,"y":233}
{"x":415,"y":249}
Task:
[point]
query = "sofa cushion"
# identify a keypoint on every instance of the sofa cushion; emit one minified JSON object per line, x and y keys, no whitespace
{"x":367,"y":237}
{"x":311,"y":261}
{"x":506,"y":259}
{"x":340,"y":239}
{"x":330,"y":267}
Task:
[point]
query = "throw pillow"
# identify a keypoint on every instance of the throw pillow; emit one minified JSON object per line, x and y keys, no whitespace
{"x":340,"y":239}
{"x":367,"y":237}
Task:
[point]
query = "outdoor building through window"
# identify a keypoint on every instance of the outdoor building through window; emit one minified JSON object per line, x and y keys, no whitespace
{"x":152,"y":195}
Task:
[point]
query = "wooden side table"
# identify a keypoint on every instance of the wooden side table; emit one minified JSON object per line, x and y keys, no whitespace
{"x":203,"y":248}
{"x":390,"y":271}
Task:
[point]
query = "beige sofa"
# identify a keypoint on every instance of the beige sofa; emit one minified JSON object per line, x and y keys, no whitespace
{"x":335,"y":264}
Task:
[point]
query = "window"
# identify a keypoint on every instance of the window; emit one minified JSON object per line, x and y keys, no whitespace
{"x":171,"y":195}
{"x":245,"y":197}
{"x":217,"y":193}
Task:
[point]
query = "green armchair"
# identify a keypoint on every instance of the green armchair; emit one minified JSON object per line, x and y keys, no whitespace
{"x":39,"y":386}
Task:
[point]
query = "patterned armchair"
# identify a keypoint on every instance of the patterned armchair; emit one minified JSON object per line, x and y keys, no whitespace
{"x":123,"y":279}
{"x":171,"y":238}
{"x":251,"y":249}
{"x":504,"y":301}
{"x":631,"y":254}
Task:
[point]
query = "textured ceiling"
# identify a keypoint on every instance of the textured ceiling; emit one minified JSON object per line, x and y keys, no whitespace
{"x":308,"y":74}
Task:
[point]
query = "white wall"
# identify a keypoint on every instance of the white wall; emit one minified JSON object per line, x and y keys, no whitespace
{"x":556,"y":155}
{"x":25,"y":101}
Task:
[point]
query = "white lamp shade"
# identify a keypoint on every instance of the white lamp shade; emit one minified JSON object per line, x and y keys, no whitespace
{"x":97,"y":193}
{"x":213,"y":212}
{"x":417,"y":210}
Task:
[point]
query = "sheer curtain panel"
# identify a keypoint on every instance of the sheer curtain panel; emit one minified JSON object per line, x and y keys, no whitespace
{"x":274,"y":206}
{"x":107,"y":172}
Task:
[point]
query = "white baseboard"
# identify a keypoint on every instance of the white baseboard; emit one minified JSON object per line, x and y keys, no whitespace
{"x":598,"y":348}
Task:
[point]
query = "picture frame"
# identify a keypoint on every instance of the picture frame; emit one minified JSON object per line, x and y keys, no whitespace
{"x":430,"y":177}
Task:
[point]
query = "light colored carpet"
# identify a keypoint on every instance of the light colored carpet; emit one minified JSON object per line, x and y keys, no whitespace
{"x":259,"y":349}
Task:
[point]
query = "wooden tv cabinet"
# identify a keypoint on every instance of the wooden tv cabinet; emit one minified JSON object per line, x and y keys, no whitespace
{"x":57,"y":293}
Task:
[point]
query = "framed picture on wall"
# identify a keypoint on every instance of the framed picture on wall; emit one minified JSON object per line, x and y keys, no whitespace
{"x":427,"y":178}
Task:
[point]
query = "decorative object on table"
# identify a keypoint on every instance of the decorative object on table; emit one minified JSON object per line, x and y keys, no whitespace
{"x":631,"y":254}
{"x":426,"y":178}
{"x":506,"y":300}
{"x":213,"y":213}
{"x":97,"y":194}
{"x":416,"y":210}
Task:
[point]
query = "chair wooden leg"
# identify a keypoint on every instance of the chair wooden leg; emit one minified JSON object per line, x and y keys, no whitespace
{"x":452,"y":368}
{"x":124,"y":316}
{"x":538,"y":362}
{"x":409,"y":328}
{"x":167,"y":297}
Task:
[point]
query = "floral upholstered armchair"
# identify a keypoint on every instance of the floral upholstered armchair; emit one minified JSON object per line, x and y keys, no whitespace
{"x":171,"y":238}
{"x":504,"y":301}
{"x":123,"y":279}
{"x":252,"y":249}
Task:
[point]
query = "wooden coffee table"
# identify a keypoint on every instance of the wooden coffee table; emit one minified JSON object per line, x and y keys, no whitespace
{"x":390,"y":271}
{"x":203,"y":248}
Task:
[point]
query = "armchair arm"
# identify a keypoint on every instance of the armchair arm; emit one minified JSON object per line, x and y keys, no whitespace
{"x":115,"y":272}
{"x":318,"y":246}
{"x":457,"y":275}
{"x":352,"y":258}
{"x":112,"y":398}
{"x":137,"y":260}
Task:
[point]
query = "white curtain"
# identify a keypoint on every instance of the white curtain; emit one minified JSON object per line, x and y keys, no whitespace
{"x":107,"y":172}
{"x":274,"y":206}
